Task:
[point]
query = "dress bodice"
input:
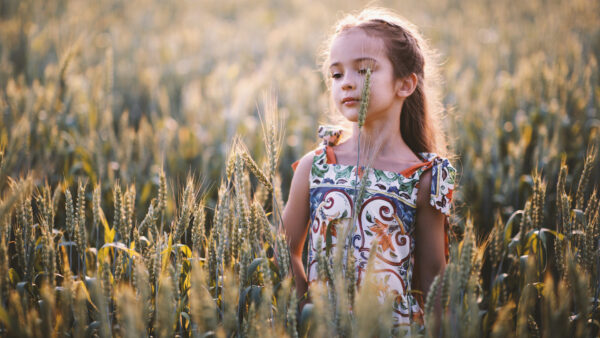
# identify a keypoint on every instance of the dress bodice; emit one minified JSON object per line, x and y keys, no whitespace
{"x":386,"y":215}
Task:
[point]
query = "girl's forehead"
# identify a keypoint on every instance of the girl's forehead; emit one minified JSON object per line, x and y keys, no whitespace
{"x":355,"y":43}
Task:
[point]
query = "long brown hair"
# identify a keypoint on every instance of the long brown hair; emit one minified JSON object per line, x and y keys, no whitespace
{"x":409,"y":53}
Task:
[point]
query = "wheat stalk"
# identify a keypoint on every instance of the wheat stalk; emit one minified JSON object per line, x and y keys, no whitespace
{"x":183,"y":221}
{"x":165,"y":306}
{"x":430,"y":319}
{"x":202,"y":305}
{"x":142,"y":283}
{"x":96,"y":209}
{"x":251,"y":164}
{"x":162,"y":198}
{"x":80,"y":228}
{"x":118,"y":213}
{"x":291,"y":315}
{"x":588,"y":166}
{"x":4,"y":287}
{"x":198,"y":230}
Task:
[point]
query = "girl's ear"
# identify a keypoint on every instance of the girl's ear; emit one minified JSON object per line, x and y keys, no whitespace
{"x":407,"y":85}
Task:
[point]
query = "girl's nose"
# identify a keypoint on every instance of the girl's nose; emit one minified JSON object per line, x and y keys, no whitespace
{"x":349,"y":82}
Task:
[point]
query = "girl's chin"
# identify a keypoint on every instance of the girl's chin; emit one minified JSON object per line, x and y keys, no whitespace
{"x":350,"y":116}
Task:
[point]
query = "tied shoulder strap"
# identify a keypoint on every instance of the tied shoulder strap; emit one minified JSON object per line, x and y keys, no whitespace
{"x":331,"y":136}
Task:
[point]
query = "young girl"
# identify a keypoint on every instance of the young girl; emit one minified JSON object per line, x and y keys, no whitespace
{"x":409,"y":185}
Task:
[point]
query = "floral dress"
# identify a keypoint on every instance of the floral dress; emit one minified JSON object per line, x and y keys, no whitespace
{"x":387,"y":215}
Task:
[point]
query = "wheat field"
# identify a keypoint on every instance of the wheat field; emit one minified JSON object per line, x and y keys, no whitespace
{"x":145,"y":152}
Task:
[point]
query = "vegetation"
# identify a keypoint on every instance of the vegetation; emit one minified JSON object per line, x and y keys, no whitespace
{"x":129,"y":207}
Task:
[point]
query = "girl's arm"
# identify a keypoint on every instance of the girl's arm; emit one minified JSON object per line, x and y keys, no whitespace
{"x":295,"y":220}
{"x":430,"y":256}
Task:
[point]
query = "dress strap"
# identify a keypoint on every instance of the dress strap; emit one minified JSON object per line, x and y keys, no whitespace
{"x":408,"y":172}
{"x":443,"y":176}
{"x":330,"y":155}
{"x":330,"y":135}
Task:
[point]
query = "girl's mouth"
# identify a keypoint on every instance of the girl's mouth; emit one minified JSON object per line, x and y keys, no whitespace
{"x":350,"y":101}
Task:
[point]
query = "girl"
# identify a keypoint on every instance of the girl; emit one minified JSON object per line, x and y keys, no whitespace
{"x":409,"y":185}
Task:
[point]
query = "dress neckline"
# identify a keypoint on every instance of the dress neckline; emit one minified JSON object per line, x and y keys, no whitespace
{"x":407,"y":172}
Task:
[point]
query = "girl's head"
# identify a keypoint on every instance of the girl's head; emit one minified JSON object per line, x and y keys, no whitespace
{"x":404,"y":57}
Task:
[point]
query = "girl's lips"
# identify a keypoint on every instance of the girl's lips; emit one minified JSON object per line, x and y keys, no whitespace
{"x":350,"y":101}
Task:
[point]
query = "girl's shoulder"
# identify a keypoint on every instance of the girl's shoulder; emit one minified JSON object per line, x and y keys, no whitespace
{"x":306,"y":161}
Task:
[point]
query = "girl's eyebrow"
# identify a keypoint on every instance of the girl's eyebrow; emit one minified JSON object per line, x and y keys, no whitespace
{"x":358,"y":60}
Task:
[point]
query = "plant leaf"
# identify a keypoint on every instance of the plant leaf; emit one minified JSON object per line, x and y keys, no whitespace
{"x":508,"y":228}
{"x":81,"y":285}
{"x":109,"y":234}
{"x":13,"y":276}
{"x":253,"y":266}
{"x":117,"y":245}
{"x":4,"y":317}
{"x":305,"y":322}
{"x":166,"y":253}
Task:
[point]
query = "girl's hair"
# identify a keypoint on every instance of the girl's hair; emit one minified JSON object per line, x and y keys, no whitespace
{"x":408,"y":53}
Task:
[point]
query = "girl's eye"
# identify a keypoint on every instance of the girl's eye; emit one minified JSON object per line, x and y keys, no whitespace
{"x":363,"y":71}
{"x":336,"y":75}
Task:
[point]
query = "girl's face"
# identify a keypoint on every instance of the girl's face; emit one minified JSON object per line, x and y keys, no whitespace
{"x":352,"y":53}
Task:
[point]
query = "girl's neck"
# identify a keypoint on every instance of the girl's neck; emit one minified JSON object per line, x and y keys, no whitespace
{"x":381,"y":139}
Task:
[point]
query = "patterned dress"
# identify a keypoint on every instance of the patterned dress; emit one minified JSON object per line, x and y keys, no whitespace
{"x":387,"y":214}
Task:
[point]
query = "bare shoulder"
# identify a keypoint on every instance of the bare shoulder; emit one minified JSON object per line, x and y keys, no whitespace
{"x":300,"y":180}
{"x":424,"y":191}
{"x":305,"y":163}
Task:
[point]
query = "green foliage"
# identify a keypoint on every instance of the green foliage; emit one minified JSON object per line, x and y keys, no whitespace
{"x":246,"y":290}
{"x":130,"y":96}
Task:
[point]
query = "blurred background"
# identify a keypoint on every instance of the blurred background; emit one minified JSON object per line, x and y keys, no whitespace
{"x":115,"y":90}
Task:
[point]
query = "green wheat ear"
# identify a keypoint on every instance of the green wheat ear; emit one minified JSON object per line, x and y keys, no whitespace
{"x":364,"y":99}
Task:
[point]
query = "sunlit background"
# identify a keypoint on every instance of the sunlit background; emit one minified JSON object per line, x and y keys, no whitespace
{"x":113,"y":91}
